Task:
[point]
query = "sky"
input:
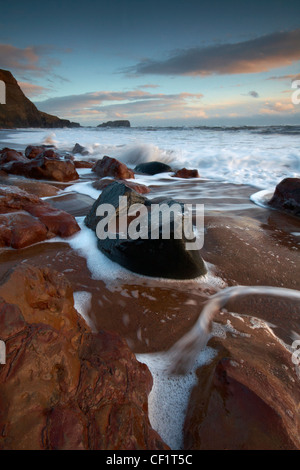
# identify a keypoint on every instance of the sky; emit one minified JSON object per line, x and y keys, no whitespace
{"x":160,"y":63}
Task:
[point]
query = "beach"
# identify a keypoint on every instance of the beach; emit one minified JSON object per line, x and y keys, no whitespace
{"x":246,"y":243}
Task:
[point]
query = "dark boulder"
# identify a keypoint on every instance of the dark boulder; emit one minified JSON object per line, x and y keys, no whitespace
{"x":139,"y":188}
{"x":287,"y":196}
{"x":79,"y":149}
{"x":167,"y":258}
{"x":108,"y":166}
{"x":152,"y":168}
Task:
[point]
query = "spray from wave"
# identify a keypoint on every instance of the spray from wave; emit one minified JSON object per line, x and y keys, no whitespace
{"x":184,"y":353}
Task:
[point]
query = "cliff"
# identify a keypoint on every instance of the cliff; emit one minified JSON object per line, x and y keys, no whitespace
{"x":19,"y":111}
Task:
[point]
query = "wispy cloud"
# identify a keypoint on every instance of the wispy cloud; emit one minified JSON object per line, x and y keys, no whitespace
{"x":31,"y":90}
{"x":253,"y":94}
{"x":37,"y":60}
{"x":256,"y":55}
{"x":278,"y":107}
{"x":112,"y":104}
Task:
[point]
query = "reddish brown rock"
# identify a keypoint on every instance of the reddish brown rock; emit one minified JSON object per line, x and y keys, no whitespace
{"x":9,"y":155}
{"x":185,"y":173}
{"x":64,"y":387}
{"x":247,"y":398}
{"x":33,"y":151}
{"x":287,"y":196}
{"x":25,"y":219}
{"x":83,"y":164}
{"x":44,"y":168}
{"x":139,"y":188}
{"x":112,"y":167}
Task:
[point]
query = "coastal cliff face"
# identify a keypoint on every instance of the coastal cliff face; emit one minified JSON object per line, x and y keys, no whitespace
{"x":19,"y":111}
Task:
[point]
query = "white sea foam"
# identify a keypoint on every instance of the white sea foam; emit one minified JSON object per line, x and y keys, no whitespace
{"x":82,"y":303}
{"x":170,"y":394}
{"x":261,"y":198}
{"x":258,"y":159}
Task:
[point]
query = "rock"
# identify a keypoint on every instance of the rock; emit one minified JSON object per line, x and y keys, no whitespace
{"x":79,"y":149}
{"x":152,"y":168}
{"x":46,"y":165}
{"x":287,"y":196}
{"x":25,"y":219}
{"x":184,"y":173}
{"x":139,"y":188}
{"x":247,"y":397}
{"x":112,"y":167}
{"x":19,"y":111}
{"x":9,"y":155}
{"x":83,"y":164}
{"x":122,"y":123}
{"x":32,"y":151}
{"x":63,"y":387}
{"x":160,"y":257}
{"x":30,"y":186}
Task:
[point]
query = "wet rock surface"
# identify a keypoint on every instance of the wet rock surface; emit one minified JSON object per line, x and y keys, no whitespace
{"x":25,"y":219}
{"x":139,"y":188}
{"x":108,"y":166}
{"x":63,"y":387}
{"x":161,"y":257}
{"x":186,"y":173}
{"x":287,"y":196}
{"x":152,"y":168}
{"x":248,"y":398}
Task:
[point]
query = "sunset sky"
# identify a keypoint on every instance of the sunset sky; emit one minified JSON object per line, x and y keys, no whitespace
{"x":160,"y":63}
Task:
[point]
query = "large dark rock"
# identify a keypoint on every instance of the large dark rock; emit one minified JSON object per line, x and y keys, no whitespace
{"x":120,"y":123}
{"x":19,"y":111}
{"x":64,"y":387}
{"x":287,"y":196}
{"x":152,"y":168}
{"x":160,"y":257}
{"x":139,"y":188}
{"x":108,"y":166}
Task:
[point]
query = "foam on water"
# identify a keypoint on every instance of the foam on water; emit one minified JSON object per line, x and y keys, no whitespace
{"x":261,"y":198}
{"x":102,"y":268}
{"x":82,"y":303}
{"x":169,"y":396}
{"x":243,"y":157}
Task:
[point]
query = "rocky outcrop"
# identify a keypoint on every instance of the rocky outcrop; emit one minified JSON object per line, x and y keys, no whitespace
{"x":108,"y":166}
{"x":139,"y":188}
{"x":25,"y":219}
{"x":152,"y":256}
{"x":152,"y":168}
{"x":80,"y":149}
{"x":120,"y":123}
{"x":247,"y":398}
{"x":63,"y":387}
{"x":41,"y":163}
{"x":287,"y":196}
{"x":19,"y":111}
{"x":185,"y":173}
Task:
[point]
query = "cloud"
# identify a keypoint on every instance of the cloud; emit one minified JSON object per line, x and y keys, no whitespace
{"x":32,"y":59}
{"x":112,"y":104}
{"x":278,"y":107}
{"x":291,"y":77}
{"x":256,"y":55}
{"x":31,"y":90}
{"x":148,"y":86}
{"x":253,"y":93}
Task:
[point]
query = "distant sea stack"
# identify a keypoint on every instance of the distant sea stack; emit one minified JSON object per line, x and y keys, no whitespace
{"x":19,"y":111}
{"x":115,"y":124}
